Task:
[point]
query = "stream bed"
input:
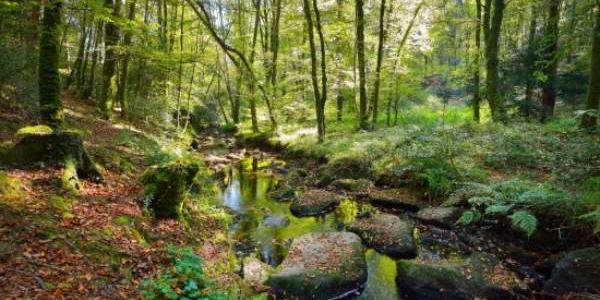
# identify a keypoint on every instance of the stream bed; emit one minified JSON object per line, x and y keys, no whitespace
{"x":264,"y":227}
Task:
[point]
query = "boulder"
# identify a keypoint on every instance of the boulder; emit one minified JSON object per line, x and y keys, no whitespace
{"x":387,"y":234}
{"x":577,"y":272}
{"x":256,"y":273}
{"x":395,"y":198}
{"x":166,"y":186}
{"x":478,"y":277}
{"x":440,"y":216}
{"x":314,"y":202}
{"x":283,"y":191}
{"x":345,"y":167}
{"x":353,"y":185}
{"x":321,"y":266}
{"x":276,"y":221}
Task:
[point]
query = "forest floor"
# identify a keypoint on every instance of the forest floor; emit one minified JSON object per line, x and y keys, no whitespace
{"x":98,"y":243}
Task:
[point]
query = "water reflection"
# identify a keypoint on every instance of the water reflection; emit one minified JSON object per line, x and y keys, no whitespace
{"x":246,"y":194}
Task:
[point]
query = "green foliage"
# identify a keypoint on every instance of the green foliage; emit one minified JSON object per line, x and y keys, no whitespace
{"x":524,"y":221}
{"x":185,"y":280}
{"x":38,"y":129}
{"x":521,"y":202}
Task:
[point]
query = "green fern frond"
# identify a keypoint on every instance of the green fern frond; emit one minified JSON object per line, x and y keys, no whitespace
{"x":524,"y":221}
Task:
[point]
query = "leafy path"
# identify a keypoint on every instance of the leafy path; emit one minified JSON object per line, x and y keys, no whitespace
{"x":94,"y":245}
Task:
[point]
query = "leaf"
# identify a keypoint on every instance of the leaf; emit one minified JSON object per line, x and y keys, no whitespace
{"x":498,"y":209}
{"x":469,"y":217}
{"x":524,"y":221}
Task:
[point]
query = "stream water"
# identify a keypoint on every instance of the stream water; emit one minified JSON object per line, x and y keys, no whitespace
{"x":265,"y":227}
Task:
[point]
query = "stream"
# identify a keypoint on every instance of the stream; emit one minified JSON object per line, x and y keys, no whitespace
{"x":265,"y":227}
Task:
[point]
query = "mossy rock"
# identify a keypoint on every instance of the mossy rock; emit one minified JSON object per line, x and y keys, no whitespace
{"x":321,"y":266}
{"x":353,"y":185}
{"x":37,"y":145}
{"x":472,"y":278}
{"x":166,"y":186}
{"x":440,"y":216}
{"x":345,"y":167}
{"x":260,"y":140}
{"x":577,"y":272}
{"x":314,"y":202}
{"x":395,"y":198}
{"x":387,"y":234}
{"x":468,"y":190}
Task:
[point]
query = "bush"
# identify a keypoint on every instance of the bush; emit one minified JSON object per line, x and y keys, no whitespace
{"x":185,"y":280}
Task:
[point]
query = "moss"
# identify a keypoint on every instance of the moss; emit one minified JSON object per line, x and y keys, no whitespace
{"x":49,"y":78}
{"x":166,"y":187}
{"x":9,"y":187}
{"x":38,"y":129}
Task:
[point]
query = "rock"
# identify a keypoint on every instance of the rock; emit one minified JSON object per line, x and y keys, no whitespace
{"x":461,"y":196}
{"x":440,"y":216}
{"x":577,"y":272}
{"x":387,"y":234}
{"x":283,"y":192}
{"x":256,"y":273}
{"x":314,"y":202}
{"x":345,"y":167}
{"x":395,"y":198}
{"x":276,"y":221}
{"x":478,"y":277}
{"x":166,"y":186}
{"x":353,"y":185}
{"x":321,"y":266}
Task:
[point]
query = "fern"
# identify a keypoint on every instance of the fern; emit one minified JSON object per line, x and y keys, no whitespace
{"x":499,"y":209}
{"x":524,"y":221}
{"x":469,"y":217}
{"x":593,"y":216}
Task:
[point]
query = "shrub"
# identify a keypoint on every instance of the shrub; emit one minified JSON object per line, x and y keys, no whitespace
{"x":185,"y":280}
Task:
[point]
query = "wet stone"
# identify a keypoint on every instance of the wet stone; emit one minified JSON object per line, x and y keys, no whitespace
{"x":321,"y":266}
{"x":314,"y":202}
{"x":395,"y":198}
{"x":276,"y":221}
{"x":440,"y":216}
{"x":387,"y":234}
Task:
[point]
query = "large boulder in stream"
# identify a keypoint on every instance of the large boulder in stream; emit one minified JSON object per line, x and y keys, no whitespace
{"x":577,"y":272}
{"x":480,"y":276}
{"x":166,"y":186}
{"x":321,"y":266}
{"x":440,"y":216}
{"x":314,"y":202}
{"x":395,"y":198}
{"x":387,"y":234}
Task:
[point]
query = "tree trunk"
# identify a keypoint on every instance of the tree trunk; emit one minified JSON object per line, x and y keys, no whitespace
{"x":49,"y":79}
{"x":476,"y":66}
{"x":122,"y":87}
{"x":111,"y":39}
{"x":590,"y":119}
{"x":323,"y":99}
{"x":381,"y":37}
{"x":550,"y":59}
{"x":76,"y":71}
{"x":360,"y":48}
{"x":530,"y":62}
{"x":313,"y":65}
{"x":492,"y":30}
{"x":91,"y":83}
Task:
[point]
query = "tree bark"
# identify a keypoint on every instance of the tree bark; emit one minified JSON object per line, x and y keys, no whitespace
{"x":530,"y":62}
{"x":476,"y":65}
{"x":49,"y":78}
{"x":550,"y":59}
{"x":360,"y":48}
{"x":111,"y":40}
{"x":590,"y":118}
{"x":381,"y":37}
{"x":492,"y":31}
{"x":313,"y":65}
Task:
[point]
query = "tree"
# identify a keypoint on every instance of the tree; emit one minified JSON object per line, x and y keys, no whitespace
{"x":320,"y":94}
{"x":49,"y":79}
{"x":122,"y":87}
{"x":530,"y":59}
{"x":550,"y":57}
{"x":381,"y":40}
{"x":476,"y":64}
{"x":492,"y":27}
{"x":590,"y":119}
{"x":111,"y":40}
{"x":360,"y":49}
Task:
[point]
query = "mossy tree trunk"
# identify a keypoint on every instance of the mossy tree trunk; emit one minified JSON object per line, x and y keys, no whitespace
{"x":550,"y":59}
{"x":122,"y":88}
{"x":476,"y":65}
{"x":363,"y":115}
{"x":111,"y":40}
{"x":590,"y":119}
{"x":49,"y":78}
{"x":381,"y":40}
{"x":493,"y":16}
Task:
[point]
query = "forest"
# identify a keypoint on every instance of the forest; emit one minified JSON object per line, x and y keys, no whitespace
{"x":300,"y":149}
